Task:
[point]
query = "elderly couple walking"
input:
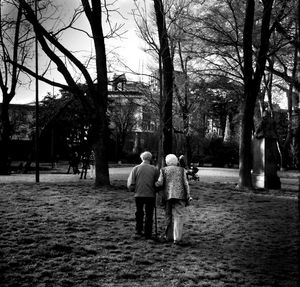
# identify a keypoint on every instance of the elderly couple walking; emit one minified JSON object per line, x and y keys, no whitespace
{"x":144,"y":180}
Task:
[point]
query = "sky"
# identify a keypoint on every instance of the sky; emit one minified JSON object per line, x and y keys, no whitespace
{"x":129,"y":47}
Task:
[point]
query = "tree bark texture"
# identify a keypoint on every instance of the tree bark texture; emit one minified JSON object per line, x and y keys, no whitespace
{"x":94,"y":99}
{"x":167,"y":66}
{"x":94,"y":15}
{"x":5,"y":138}
{"x":8,"y":93}
{"x":252,"y":81}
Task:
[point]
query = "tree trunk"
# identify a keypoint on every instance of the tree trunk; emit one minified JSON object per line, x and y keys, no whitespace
{"x":167,"y":65}
{"x":97,"y":92}
{"x":160,"y":155}
{"x":186,"y":132}
{"x":188,"y":149}
{"x":252,"y":83}
{"x":8,"y":77}
{"x":100,"y":145}
{"x":245,"y":159}
{"x":288,"y":140}
{"x":5,"y":138}
{"x":100,"y":96}
{"x":297,"y":78}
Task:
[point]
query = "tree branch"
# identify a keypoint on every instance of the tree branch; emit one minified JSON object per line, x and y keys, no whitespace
{"x":41,"y":78}
{"x":42,"y":34}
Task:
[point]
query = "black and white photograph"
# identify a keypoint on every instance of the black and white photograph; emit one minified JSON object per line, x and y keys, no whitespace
{"x":149,"y":143}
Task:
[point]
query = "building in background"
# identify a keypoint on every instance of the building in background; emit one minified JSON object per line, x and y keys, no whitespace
{"x":133,"y":124}
{"x":133,"y":119}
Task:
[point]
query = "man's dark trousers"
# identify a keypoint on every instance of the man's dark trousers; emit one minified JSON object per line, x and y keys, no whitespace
{"x":149,"y":203}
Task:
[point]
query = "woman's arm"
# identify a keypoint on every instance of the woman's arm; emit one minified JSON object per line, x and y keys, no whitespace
{"x":160,"y":180}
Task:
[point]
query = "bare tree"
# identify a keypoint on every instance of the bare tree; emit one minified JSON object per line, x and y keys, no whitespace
{"x":252,"y":82}
{"x":182,"y":49}
{"x":94,"y":98}
{"x":159,"y":47}
{"x":238,"y":49}
{"x":168,"y":69}
{"x":122,"y":117}
{"x":14,"y":45}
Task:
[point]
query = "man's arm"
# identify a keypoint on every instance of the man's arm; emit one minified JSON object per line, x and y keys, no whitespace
{"x":131,"y":180}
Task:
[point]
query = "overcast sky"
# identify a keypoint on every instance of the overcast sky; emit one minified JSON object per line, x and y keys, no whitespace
{"x":128,"y":47}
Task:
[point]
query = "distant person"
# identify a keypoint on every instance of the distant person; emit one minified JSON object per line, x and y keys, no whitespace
{"x":92,"y":164}
{"x":192,"y":173}
{"x":141,"y":181}
{"x":183,"y":164}
{"x":154,"y":161}
{"x":177,"y":195}
{"x":85,"y":161}
{"x":74,"y":162}
{"x":182,"y":161}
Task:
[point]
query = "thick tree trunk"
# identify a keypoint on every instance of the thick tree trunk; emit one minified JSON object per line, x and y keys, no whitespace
{"x":100,"y":144}
{"x":252,"y":83}
{"x":245,"y":161}
{"x":167,"y":65}
{"x":297,"y":133}
{"x":245,"y":158}
{"x":5,"y":138}
{"x":96,"y":92}
{"x":8,"y":75}
{"x":100,"y":96}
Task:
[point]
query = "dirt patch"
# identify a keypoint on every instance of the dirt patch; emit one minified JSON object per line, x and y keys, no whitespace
{"x":71,"y":234}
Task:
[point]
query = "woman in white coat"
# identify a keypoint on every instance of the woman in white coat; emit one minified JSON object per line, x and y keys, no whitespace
{"x":176,"y":192}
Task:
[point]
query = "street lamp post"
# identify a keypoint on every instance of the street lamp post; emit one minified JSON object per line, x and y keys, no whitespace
{"x":37,"y":163}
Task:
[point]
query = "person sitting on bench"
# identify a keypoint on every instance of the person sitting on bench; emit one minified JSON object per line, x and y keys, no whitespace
{"x":192,"y":173}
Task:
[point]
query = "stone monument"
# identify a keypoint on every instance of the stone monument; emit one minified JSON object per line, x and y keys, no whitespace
{"x":265,"y":155}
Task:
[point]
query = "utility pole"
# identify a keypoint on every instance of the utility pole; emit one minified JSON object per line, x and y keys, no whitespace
{"x":37,"y":163}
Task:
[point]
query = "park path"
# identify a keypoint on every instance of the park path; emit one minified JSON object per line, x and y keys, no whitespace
{"x":289,"y":180}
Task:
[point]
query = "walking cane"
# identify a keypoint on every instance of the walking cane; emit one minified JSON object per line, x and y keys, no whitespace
{"x":155,"y":218}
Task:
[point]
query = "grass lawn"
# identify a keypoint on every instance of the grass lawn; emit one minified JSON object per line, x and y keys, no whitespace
{"x":71,"y":234}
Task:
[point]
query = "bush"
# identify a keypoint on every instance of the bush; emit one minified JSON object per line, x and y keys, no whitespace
{"x":225,"y":154}
{"x":218,"y":153}
{"x":198,"y":159}
{"x":131,"y":158}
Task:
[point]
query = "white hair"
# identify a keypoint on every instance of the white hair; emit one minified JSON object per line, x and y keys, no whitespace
{"x":146,"y":156}
{"x":171,"y":159}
